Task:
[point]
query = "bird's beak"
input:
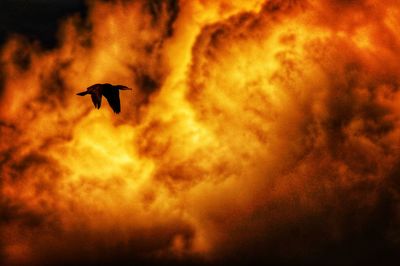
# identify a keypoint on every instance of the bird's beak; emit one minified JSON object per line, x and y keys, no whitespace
{"x":82,"y":93}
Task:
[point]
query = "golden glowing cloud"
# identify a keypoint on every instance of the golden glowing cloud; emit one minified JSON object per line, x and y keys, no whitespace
{"x":256,"y":130}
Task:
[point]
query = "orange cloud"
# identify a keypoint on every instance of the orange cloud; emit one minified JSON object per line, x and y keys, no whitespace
{"x":257,"y":131}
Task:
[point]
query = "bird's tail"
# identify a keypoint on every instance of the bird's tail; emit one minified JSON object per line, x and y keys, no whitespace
{"x":82,"y":93}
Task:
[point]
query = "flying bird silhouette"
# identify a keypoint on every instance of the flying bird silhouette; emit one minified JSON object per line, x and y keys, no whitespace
{"x":111,"y":92}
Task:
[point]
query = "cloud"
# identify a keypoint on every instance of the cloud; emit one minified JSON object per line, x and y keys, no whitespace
{"x":267,"y":133}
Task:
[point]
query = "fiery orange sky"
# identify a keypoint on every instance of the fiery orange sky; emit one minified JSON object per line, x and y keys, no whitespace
{"x":257,"y":131}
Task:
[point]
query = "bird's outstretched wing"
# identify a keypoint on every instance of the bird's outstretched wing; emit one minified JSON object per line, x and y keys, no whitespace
{"x":112,"y":97}
{"x":96,"y":98}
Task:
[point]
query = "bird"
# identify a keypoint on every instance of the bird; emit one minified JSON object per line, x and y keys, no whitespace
{"x":111,"y":92}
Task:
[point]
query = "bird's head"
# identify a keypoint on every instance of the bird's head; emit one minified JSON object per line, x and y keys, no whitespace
{"x":121,"y":87}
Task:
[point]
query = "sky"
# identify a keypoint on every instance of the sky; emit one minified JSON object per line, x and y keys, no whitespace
{"x":264,"y":131}
{"x":36,"y":19}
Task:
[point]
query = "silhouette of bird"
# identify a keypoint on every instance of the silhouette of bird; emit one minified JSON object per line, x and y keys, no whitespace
{"x":111,"y":92}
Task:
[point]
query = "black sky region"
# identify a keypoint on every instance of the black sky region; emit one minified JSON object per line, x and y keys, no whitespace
{"x":37,"y":20}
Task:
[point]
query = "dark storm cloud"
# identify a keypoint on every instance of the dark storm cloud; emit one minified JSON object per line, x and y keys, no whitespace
{"x":149,"y":75}
{"x":2,"y":78}
{"x":54,"y":85}
{"x":156,"y":9}
{"x":11,"y":213}
{"x":22,"y":56}
{"x":82,"y":247}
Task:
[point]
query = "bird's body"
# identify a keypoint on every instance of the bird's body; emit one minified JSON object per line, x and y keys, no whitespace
{"x":111,"y":92}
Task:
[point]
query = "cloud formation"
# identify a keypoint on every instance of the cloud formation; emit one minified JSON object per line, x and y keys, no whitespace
{"x":265,"y":131}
